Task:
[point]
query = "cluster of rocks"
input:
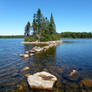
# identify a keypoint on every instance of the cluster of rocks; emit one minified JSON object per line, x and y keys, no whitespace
{"x":37,"y":42}
{"x":40,"y":80}
{"x":43,"y":80}
{"x":39,"y":49}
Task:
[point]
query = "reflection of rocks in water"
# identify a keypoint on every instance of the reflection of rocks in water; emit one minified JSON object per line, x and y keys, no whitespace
{"x":42,"y":61}
{"x":49,"y":53}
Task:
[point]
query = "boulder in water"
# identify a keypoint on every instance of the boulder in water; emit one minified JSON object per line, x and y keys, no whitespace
{"x":73,"y":72}
{"x":41,"y":80}
{"x":24,"y":55}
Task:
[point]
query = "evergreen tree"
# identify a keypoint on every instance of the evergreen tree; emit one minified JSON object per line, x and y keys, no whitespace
{"x":52,"y":26}
{"x":27,"y":29}
{"x":43,"y":29}
{"x":39,"y":20}
{"x":45,"y":25}
{"x":34,"y":24}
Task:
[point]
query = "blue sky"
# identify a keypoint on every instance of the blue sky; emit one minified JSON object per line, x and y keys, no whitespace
{"x":69,"y":15}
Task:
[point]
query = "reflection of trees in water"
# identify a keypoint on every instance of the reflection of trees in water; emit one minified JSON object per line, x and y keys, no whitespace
{"x":44,"y":60}
{"x":48,"y":53}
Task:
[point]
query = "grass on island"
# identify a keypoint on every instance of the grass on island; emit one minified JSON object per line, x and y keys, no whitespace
{"x":45,"y":38}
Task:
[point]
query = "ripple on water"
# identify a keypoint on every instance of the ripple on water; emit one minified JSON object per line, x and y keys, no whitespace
{"x":57,"y":61}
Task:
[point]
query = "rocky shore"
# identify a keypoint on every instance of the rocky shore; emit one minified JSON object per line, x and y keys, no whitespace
{"x":39,"y":49}
{"x":40,"y":80}
{"x":37,"y":42}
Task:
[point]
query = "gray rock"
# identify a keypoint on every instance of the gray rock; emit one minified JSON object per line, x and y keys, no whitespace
{"x":41,"y":80}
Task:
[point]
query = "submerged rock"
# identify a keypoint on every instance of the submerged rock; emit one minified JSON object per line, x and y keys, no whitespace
{"x":41,"y":80}
{"x":26,"y":75}
{"x":72,"y":73}
{"x":59,"y":69}
{"x":86,"y":82}
{"x":73,"y":76}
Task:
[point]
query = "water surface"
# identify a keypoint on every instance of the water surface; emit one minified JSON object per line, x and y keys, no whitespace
{"x":60,"y":61}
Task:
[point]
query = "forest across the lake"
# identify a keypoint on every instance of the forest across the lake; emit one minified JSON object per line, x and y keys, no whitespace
{"x":61,"y":35}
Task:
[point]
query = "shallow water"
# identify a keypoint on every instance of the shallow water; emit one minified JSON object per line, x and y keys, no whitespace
{"x":60,"y":61}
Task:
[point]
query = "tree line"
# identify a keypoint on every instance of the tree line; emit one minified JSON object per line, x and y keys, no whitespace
{"x":76,"y":35}
{"x":13,"y":36}
{"x":42,"y":29}
{"x":60,"y":35}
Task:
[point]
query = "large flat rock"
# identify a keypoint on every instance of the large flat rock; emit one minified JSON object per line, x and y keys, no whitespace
{"x":41,"y":80}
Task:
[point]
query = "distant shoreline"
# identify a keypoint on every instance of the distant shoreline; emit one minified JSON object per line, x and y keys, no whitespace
{"x":12,"y":36}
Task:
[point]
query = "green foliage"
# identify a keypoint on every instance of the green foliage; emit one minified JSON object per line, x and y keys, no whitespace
{"x":39,"y":20}
{"x":27,"y":29}
{"x":43,"y":29}
{"x":31,"y":38}
{"x":76,"y":35}
{"x":52,"y":27}
{"x":34,"y":24}
{"x":48,"y":37}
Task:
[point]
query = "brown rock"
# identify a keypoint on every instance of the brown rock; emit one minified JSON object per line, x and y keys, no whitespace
{"x":87,"y":83}
{"x":25,"y":68}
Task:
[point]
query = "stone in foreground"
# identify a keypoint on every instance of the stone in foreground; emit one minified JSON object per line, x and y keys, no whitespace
{"x":42,"y":80}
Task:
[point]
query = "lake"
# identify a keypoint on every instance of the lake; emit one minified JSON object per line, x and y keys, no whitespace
{"x":72,"y":54}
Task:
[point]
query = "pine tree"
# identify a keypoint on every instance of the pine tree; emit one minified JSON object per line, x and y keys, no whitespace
{"x":27,"y":29}
{"x":39,"y":23}
{"x":46,"y":26}
{"x":52,"y":26}
{"x":34,"y":24}
{"x":42,"y":28}
{"x":39,"y":20}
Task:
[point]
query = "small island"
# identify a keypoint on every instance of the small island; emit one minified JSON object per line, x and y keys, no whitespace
{"x":42,"y":29}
